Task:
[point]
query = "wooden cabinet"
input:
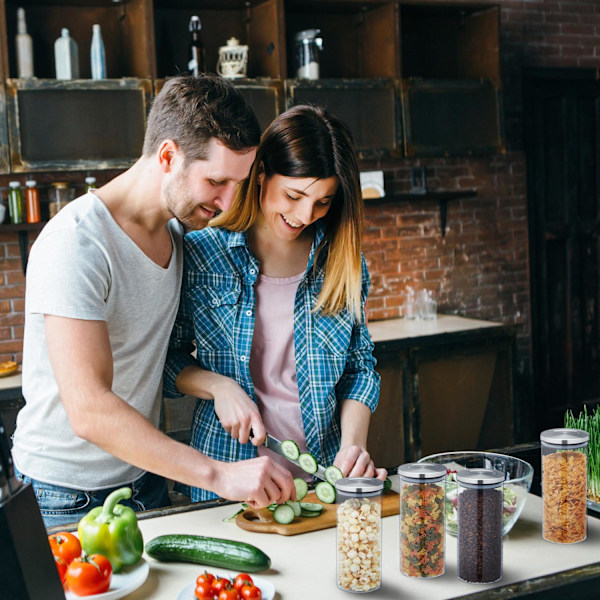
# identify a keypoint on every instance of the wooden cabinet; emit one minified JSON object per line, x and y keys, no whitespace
{"x":410,"y":78}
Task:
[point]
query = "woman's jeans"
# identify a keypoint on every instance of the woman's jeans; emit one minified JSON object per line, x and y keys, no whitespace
{"x":61,"y":505}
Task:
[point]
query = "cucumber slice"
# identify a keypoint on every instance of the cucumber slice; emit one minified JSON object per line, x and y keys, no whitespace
{"x":325,"y":492}
{"x":332,"y":474}
{"x":307,"y":463}
{"x":387,"y":484}
{"x":309,"y":513}
{"x":301,"y":488}
{"x":284,"y":514}
{"x":295,"y":506}
{"x":314,"y":507}
{"x":272,"y":507}
{"x":290,"y":449}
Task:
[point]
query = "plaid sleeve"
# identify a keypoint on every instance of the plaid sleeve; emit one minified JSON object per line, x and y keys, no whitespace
{"x":360,"y":381}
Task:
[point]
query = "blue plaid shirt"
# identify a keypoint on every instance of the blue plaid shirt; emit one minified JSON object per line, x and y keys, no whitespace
{"x":334,"y":359}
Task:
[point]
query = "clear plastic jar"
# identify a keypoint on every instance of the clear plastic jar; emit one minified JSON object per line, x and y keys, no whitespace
{"x":359,"y":534}
{"x":480,"y":498}
{"x":60,"y":196}
{"x":564,"y":485}
{"x":422,"y":531}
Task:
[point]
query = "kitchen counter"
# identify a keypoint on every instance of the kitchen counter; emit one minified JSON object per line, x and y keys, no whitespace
{"x":304,"y":565}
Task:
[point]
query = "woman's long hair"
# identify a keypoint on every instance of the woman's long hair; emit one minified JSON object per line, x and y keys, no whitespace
{"x":307,"y":141}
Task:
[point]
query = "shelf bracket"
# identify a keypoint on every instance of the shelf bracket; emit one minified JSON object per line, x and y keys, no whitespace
{"x":24,"y":249}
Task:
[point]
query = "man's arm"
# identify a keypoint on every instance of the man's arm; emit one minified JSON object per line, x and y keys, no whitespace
{"x":81,"y":358}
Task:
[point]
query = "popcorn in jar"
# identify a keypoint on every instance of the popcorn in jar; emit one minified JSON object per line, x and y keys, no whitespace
{"x":359,"y":534}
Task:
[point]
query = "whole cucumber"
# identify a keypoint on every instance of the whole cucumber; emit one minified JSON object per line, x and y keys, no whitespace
{"x":215,"y":552}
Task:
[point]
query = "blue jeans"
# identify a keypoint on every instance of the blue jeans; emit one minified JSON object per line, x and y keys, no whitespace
{"x":62,"y":505}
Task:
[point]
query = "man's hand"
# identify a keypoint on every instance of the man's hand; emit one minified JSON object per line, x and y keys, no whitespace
{"x":257,"y":481}
{"x":354,"y":461}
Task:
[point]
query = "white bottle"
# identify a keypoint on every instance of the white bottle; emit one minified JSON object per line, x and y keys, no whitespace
{"x":66,"y":56}
{"x":97,"y":55}
{"x":24,"y":47}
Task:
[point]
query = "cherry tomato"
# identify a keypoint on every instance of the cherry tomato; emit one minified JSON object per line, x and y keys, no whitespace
{"x":240,"y":580}
{"x":65,"y":545}
{"x":203,"y":590}
{"x":220,"y":583}
{"x":208,"y":577}
{"x":229,"y":593}
{"x":250,"y":592}
{"x":61,"y":567}
{"x":89,"y":575}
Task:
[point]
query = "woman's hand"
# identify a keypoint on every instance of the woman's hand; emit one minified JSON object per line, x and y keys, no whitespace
{"x":354,"y":461}
{"x":237,"y":412}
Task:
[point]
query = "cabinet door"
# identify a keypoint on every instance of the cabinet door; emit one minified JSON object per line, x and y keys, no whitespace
{"x":451,"y":117}
{"x":368,"y":107}
{"x":76,"y":125}
{"x":266,"y":97}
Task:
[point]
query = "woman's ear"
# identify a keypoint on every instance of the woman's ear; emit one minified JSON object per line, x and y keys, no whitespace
{"x":260,"y":178}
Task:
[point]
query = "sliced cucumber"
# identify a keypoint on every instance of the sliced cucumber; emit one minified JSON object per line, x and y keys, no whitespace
{"x":332,"y":474}
{"x":325,"y":492}
{"x":290,"y":449}
{"x":301,"y":488}
{"x":387,"y":484}
{"x":272,"y":507}
{"x":295,"y":506}
{"x":311,"y":507}
{"x":284,"y":514}
{"x":310,"y":513}
{"x":307,"y":463}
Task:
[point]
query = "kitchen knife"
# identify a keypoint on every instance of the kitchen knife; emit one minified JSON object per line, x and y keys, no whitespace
{"x":275,"y":445}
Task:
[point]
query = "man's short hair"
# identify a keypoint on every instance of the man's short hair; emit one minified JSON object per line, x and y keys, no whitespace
{"x":192,"y":110}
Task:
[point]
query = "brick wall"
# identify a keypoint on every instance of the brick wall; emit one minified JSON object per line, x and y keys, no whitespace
{"x":479,"y":268}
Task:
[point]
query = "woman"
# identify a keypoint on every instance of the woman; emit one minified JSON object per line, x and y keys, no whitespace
{"x":273,"y":300}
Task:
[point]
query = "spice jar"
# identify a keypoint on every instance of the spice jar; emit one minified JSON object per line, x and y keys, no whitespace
{"x":422,"y":532}
{"x":480,"y":497}
{"x":564,"y":485}
{"x":359,"y":533}
{"x":60,"y":196}
{"x":16,"y":208}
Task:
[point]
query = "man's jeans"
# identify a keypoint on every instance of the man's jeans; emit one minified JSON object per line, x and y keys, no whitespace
{"x":61,"y":505}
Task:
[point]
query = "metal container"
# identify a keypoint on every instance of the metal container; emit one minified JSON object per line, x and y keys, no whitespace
{"x":564,"y":485}
{"x":359,"y":534}
{"x":422,"y":510}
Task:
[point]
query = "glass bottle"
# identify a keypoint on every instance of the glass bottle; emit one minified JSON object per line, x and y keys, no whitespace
{"x":564,"y":485}
{"x":66,"y":56}
{"x":24,"y":46}
{"x":32,"y":202}
{"x":196,"y":63}
{"x":60,"y":197}
{"x":359,"y":533}
{"x":97,"y":54}
{"x":480,"y":499}
{"x":422,"y":510}
{"x":15,"y":203}
{"x":90,"y":184}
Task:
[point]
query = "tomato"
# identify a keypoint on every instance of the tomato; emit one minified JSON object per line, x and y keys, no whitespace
{"x":65,"y":545}
{"x":203,"y":590}
{"x":250,"y":592}
{"x":229,"y":593}
{"x":61,"y":567}
{"x":241,"y":579}
{"x":89,"y":575}
{"x":220,"y":583}
{"x":208,"y":577}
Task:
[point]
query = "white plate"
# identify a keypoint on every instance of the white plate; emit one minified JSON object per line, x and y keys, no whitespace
{"x":121,"y":584}
{"x":267,"y":589}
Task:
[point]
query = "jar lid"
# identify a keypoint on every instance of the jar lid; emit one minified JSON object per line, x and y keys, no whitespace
{"x":60,"y":184}
{"x":90,"y":180}
{"x":307,"y":34}
{"x":30,"y":183}
{"x":14,"y":184}
{"x":562,"y":436}
{"x":480,"y":476}
{"x":359,"y":485}
{"x":422,"y":470}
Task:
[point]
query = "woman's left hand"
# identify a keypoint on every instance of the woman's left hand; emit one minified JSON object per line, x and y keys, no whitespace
{"x":354,"y":461}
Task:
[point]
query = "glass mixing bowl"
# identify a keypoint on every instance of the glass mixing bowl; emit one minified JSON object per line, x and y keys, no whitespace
{"x":519,"y":475}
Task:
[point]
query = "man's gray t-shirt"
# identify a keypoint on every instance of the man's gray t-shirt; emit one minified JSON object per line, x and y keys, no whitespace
{"x":84,"y":266}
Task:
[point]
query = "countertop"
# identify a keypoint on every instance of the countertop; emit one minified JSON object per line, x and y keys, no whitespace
{"x":304,"y":565}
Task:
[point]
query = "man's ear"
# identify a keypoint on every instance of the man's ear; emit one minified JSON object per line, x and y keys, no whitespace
{"x":166,"y":154}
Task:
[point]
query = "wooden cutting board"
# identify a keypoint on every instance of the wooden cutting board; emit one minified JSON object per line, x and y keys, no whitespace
{"x":262,"y":521}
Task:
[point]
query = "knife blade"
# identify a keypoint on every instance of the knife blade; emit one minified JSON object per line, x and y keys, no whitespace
{"x":274,"y":444}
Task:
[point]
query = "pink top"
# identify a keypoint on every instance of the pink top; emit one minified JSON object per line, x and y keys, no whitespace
{"x":273,"y":364}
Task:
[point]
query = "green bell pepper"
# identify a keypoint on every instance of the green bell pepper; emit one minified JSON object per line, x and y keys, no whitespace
{"x":112,"y":530}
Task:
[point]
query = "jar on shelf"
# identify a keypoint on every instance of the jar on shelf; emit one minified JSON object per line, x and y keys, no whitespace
{"x":422,"y":530}
{"x":564,"y":485}
{"x":16,"y":207}
{"x":32,"y":202}
{"x":359,"y":533}
{"x":90,"y":184}
{"x":480,"y":502}
{"x":60,"y":196}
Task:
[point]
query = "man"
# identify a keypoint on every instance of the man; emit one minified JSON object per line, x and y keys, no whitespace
{"x":101,"y":297}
